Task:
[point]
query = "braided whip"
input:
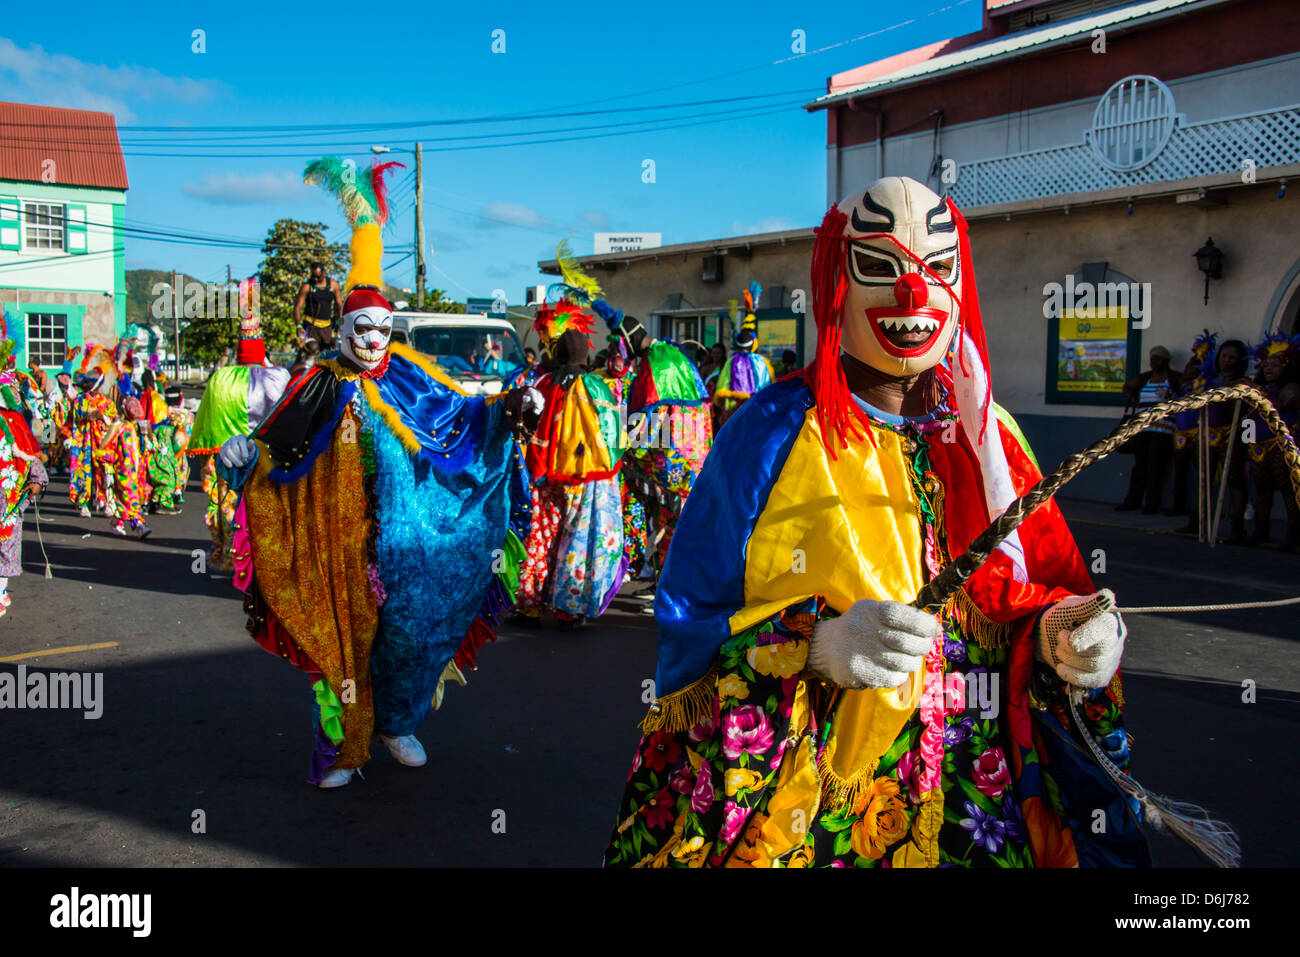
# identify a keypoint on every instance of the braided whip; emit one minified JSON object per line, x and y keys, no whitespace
{"x":1214,"y":839}
{"x":944,"y":585}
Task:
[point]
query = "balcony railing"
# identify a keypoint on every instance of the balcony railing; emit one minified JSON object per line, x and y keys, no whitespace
{"x":1267,"y":138}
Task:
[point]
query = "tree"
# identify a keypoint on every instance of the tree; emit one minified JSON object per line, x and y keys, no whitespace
{"x":435,"y":301}
{"x":290,"y":249}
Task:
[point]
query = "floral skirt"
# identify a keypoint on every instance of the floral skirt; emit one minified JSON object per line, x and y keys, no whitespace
{"x":747,"y":786}
{"x":589,"y":562}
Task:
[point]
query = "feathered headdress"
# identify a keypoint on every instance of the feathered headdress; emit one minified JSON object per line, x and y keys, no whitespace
{"x":552,"y":322}
{"x":364,"y":198}
{"x":11,"y":339}
{"x":746,"y":336}
{"x":1278,"y":343}
{"x":97,"y":365}
{"x":583,"y":290}
{"x":1205,"y":350}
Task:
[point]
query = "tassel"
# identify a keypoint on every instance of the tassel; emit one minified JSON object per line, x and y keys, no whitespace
{"x":838,"y":791}
{"x":1190,"y":823}
{"x":987,"y":633}
{"x":683,"y":710}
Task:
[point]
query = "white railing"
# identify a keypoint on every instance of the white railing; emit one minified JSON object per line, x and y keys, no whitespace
{"x":1267,"y":138}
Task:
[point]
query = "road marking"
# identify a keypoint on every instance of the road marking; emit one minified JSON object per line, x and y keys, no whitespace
{"x":60,"y":651}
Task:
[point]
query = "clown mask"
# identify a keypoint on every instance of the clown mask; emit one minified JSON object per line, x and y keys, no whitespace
{"x":899,"y":316}
{"x":364,"y":336}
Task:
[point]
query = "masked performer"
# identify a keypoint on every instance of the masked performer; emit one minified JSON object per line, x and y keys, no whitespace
{"x":160,"y":444}
{"x":670,"y":429}
{"x":746,"y":370}
{"x":1276,"y":354}
{"x":236,"y":399}
{"x":22,"y":473}
{"x":385,"y":512}
{"x":618,"y":373}
{"x":807,"y":714}
{"x":574,"y":560}
{"x":1198,"y":374}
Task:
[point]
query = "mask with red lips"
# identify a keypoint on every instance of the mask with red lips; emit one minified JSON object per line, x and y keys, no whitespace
{"x":904,"y":277}
{"x":366,"y":328}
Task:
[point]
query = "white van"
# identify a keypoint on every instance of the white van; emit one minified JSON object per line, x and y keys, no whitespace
{"x":460,"y":344}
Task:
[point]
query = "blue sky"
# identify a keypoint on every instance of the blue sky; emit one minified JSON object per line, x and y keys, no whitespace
{"x":490,"y":214}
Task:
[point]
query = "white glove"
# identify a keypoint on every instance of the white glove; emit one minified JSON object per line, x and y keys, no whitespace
{"x":533,"y":401}
{"x":1082,"y":638}
{"x":875,"y":644}
{"x":237,"y":452}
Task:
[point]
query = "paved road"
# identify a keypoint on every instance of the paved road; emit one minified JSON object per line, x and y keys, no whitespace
{"x":196,"y":718}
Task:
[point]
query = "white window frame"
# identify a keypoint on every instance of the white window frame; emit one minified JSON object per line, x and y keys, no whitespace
{"x":35,"y":339}
{"x":53,"y":222}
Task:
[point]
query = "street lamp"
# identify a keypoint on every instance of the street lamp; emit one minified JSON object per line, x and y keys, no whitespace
{"x":1209,"y":260}
{"x":380,"y":149}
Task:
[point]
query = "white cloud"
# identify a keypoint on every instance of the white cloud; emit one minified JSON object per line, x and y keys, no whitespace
{"x":511,"y":214}
{"x":772,"y":224}
{"x":32,"y":75}
{"x":246,"y":189}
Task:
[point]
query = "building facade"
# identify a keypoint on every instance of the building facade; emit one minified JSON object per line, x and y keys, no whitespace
{"x":1097,"y":146}
{"x":62,"y":252}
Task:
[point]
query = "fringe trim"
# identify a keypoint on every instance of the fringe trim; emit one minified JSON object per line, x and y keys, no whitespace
{"x":988,"y":633}
{"x":839,"y":791}
{"x":683,"y":710}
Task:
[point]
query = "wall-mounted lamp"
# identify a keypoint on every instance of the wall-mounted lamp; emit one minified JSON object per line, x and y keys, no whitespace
{"x":1281,"y":189}
{"x":1209,"y":260}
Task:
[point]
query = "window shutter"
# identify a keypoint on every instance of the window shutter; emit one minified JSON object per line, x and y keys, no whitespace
{"x":74,"y":229}
{"x":10,"y":235}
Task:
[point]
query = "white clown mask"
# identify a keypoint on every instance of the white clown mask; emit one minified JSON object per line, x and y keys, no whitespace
{"x":899,"y":318}
{"x":364,"y":335}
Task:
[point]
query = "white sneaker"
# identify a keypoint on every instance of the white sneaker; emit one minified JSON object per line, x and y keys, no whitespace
{"x":84,"y":512}
{"x":336,"y":777}
{"x":405,"y":750}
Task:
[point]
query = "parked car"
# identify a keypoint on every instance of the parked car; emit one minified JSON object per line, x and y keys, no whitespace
{"x":461,"y":345}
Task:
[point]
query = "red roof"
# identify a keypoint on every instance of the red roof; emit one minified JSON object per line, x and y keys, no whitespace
{"x":82,"y":143}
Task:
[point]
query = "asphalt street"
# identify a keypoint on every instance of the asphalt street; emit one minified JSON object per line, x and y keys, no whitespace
{"x":526,"y":765}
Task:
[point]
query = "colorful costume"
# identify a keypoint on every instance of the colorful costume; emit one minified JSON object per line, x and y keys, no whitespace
{"x":574,"y":552}
{"x":235,"y":401}
{"x":164,"y":451}
{"x":815,"y":510}
{"x":746,"y":370}
{"x":383,"y":516}
{"x":669,"y":427}
{"x":20,"y":464}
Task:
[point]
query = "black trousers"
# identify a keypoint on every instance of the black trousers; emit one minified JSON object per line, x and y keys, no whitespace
{"x":1151,"y":460}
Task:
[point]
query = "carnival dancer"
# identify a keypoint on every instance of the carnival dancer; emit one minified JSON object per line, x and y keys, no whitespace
{"x":160,"y":445}
{"x":807,"y":714}
{"x":1199,"y":374}
{"x":670,"y":429}
{"x":746,"y":370}
{"x":61,"y":416}
{"x":1276,"y":354}
{"x":618,"y":372}
{"x":574,"y":560}
{"x":382,"y":516}
{"x":22,"y":473}
{"x":235,"y":400}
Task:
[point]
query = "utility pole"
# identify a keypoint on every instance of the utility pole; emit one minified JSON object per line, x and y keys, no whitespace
{"x":177,"y":295}
{"x":419,"y":225}
{"x":232,"y":303}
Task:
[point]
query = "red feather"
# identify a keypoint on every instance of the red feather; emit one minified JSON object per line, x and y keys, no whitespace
{"x":381,"y":189}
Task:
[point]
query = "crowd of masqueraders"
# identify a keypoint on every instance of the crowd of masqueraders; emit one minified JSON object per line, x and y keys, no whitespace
{"x":1229,"y":451}
{"x":378,"y":521}
{"x":126,"y":441}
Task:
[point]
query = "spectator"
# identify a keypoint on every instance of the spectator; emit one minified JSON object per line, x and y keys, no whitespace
{"x":1154,"y":445}
{"x":322,"y":300}
{"x":789,"y":362}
